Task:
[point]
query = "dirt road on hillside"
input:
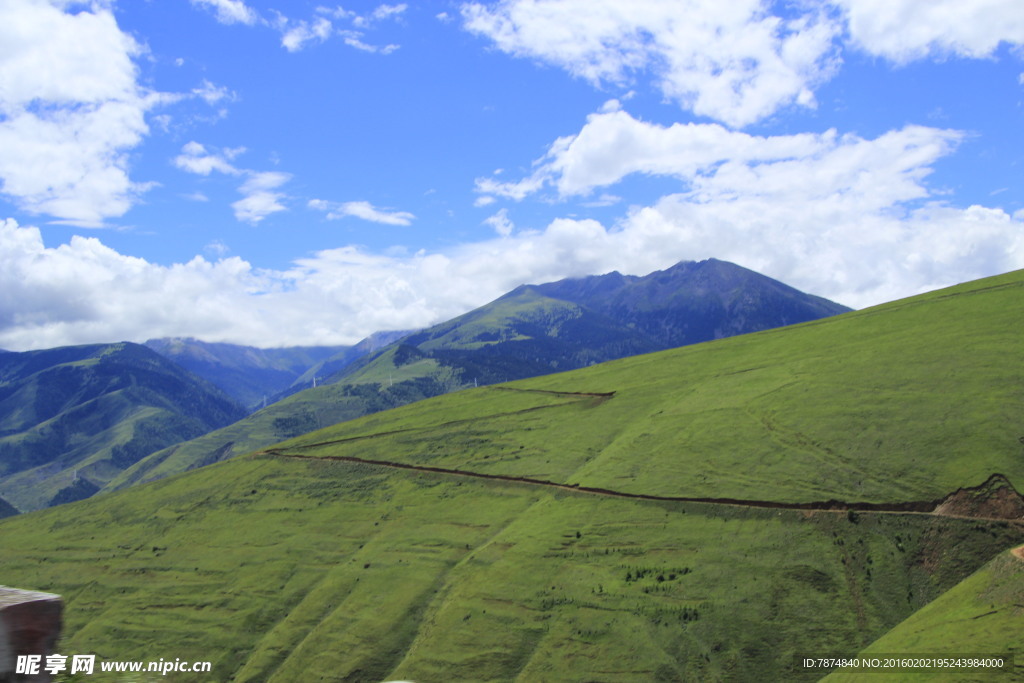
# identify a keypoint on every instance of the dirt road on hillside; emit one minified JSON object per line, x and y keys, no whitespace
{"x":835,"y":506}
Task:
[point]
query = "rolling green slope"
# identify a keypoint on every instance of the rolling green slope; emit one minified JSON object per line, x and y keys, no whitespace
{"x":72,"y":418}
{"x":981,"y":615}
{"x":537,"y":530}
{"x":531,"y":331}
{"x":300,"y":413}
{"x":868,"y":406}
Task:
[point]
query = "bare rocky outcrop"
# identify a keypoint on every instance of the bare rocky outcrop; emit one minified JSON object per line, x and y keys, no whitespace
{"x":30,"y":624}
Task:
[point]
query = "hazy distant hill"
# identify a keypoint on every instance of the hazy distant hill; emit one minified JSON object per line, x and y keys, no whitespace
{"x":72,"y":418}
{"x":533,"y":330}
{"x":255,"y":376}
{"x":703,"y":513}
{"x":6,"y":509}
{"x":337,"y":363}
{"x":245,"y":373}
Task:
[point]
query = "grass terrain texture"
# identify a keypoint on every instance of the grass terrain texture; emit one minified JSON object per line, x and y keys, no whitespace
{"x":531,"y":331}
{"x":72,"y":418}
{"x":982,"y":615}
{"x":307,"y":562}
{"x":904,"y":402}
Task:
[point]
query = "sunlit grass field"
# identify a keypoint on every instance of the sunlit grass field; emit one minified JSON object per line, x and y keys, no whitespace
{"x":279,"y":568}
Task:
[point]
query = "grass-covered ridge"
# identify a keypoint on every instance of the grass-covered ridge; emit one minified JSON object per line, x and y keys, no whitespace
{"x":981,"y":615}
{"x":284,"y":569}
{"x":72,"y":418}
{"x":904,"y":402}
{"x":531,"y":331}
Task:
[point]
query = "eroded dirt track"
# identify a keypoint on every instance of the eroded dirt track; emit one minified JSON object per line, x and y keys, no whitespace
{"x":958,"y":505}
{"x":911,"y":507}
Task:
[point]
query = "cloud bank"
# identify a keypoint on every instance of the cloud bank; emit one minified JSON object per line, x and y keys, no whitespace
{"x":851,"y":218}
{"x":70,"y":111}
{"x":738,"y":62}
{"x":848,"y":218}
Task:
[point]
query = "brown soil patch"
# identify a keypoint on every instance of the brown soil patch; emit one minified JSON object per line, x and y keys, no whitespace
{"x":1018,"y":552}
{"x":994,"y":499}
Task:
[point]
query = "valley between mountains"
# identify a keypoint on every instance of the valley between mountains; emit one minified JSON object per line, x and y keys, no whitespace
{"x":711,"y":512}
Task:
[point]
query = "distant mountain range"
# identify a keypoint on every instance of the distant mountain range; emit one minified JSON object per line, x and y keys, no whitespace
{"x":256,"y":377}
{"x":533,"y":330}
{"x":72,"y":418}
{"x":246,"y":373}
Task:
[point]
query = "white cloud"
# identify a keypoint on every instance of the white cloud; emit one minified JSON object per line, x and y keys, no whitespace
{"x":195,"y":159}
{"x":820,"y":238}
{"x":212,"y":94}
{"x":714,"y":163}
{"x":230,"y":11}
{"x":737,"y":62}
{"x":295,"y":37}
{"x":296,"y":34}
{"x":837,"y":215}
{"x":501,"y":223}
{"x":604,"y":200}
{"x":355,"y":39}
{"x":734,"y":62}
{"x":260,"y":198}
{"x":381,"y":13}
{"x":361,"y":209}
{"x":217,"y":248}
{"x":903,"y":30}
{"x":69,"y":101}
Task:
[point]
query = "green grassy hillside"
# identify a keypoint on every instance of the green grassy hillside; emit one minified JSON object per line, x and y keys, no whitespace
{"x":903,"y":402}
{"x":300,"y":413}
{"x":982,"y":615}
{"x":72,"y":418}
{"x":531,"y":331}
{"x":528,"y":532}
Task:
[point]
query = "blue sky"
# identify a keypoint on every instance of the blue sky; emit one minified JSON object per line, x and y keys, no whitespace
{"x":310,"y":173}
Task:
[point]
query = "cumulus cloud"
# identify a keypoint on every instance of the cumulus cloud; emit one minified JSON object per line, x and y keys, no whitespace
{"x":714,"y":162}
{"x":737,"y":62}
{"x":380,"y":13}
{"x":848,"y":218}
{"x":501,"y":223}
{"x":837,"y":215}
{"x":296,"y":34}
{"x":260,"y":196}
{"x":904,"y":30}
{"x":195,"y":159}
{"x":69,"y":101}
{"x":734,"y":62}
{"x":212,"y":94}
{"x":361,"y":209}
{"x":230,"y":11}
